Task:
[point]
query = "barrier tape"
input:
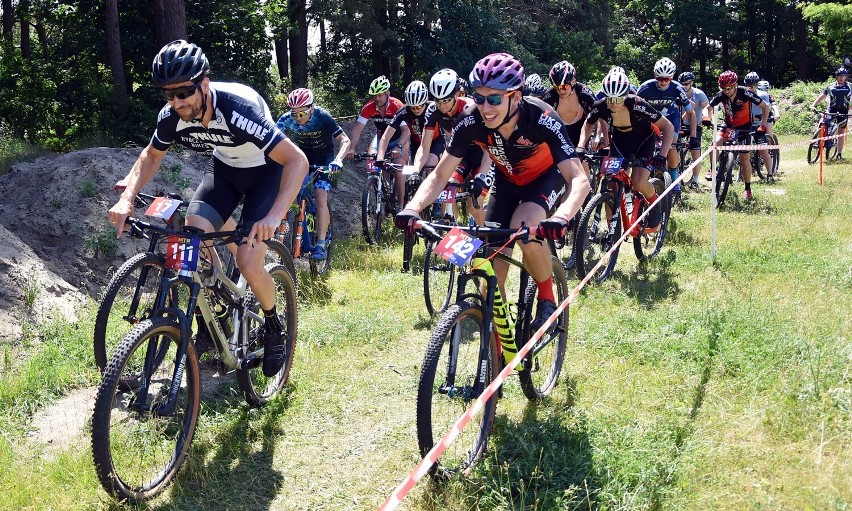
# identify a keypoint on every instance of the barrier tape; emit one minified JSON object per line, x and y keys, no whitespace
{"x":760,"y":147}
{"x":449,"y":437}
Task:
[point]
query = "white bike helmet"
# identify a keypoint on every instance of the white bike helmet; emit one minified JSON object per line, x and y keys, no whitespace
{"x":443,"y":83}
{"x":664,"y":68}
{"x":300,"y":97}
{"x":416,"y":93}
{"x":615,"y":85}
{"x":763,"y":85}
{"x":618,"y":69}
{"x":534,"y":82}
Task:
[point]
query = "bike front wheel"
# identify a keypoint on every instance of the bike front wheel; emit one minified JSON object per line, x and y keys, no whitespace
{"x":257,"y":388}
{"x":140,"y":438}
{"x":596,"y":235}
{"x":648,"y":244}
{"x":543,"y":364}
{"x":439,"y":276}
{"x":447,"y":389}
{"x":321,"y":266}
{"x":724,"y":175}
{"x":372,"y":211}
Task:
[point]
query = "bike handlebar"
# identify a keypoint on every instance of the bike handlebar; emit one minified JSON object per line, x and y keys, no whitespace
{"x":364,"y":156}
{"x":524,"y":234}
{"x":225,"y":237}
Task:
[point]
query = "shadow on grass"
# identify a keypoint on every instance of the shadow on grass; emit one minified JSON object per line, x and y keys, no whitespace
{"x":651,"y":282}
{"x":234,"y":468}
{"x":676,"y":235}
{"x":313,"y":291}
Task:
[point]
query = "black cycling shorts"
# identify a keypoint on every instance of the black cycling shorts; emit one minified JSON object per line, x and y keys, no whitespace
{"x":695,"y":143}
{"x":639,"y":156}
{"x":223,"y":187}
{"x":841,"y":121}
{"x":545,"y":190}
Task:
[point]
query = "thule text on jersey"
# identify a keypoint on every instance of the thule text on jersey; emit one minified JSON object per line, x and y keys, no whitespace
{"x":251,"y":128}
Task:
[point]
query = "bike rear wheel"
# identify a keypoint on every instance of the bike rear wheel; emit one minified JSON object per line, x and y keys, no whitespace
{"x":563,"y":248}
{"x":137,"y":445}
{"x":648,"y":244}
{"x":257,"y":388}
{"x":595,"y":236}
{"x":445,"y":389}
{"x":814,"y":148}
{"x":439,"y":276}
{"x":541,"y":370}
{"x":372,"y":211}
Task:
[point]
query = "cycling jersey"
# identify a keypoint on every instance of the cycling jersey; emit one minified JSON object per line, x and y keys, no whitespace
{"x":585,"y":99}
{"x":642,"y":130}
{"x":838,"y":97}
{"x":442,"y":125}
{"x":738,"y":109}
{"x":370,"y":112}
{"x":671,"y":101}
{"x":539,"y":142}
{"x":697,"y":97}
{"x":241,"y":133}
{"x":416,"y":123}
{"x":315,"y":138}
{"x":756,"y":112}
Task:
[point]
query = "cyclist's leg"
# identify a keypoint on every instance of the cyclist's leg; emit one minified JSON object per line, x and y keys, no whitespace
{"x":321,"y":191}
{"x":399,"y":157}
{"x":842,"y":126}
{"x":209,"y":207}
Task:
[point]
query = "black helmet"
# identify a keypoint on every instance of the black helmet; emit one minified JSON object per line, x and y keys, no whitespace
{"x":178,"y":61}
{"x":686,"y":76}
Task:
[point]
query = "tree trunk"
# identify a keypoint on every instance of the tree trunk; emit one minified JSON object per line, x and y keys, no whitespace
{"x":24,"y":17}
{"x":323,"y":41}
{"x":169,"y":21}
{"x":116,"y":63}
{"x":8,"y":20}
{"x":725,"y":48}
{"x":42,"y":39}
{"x":298,"y":39}
{"x":703,"y":63}
{"x":801,"y":38}
{"x":283,"y":58}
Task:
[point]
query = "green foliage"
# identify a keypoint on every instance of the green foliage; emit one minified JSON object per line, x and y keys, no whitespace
{"x":795,"y":103}
{"x":834,"y":19}
{"x":173,"y":176}
{"x":102,"y":242}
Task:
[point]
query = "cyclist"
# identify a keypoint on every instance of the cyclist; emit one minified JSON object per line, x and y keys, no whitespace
{"x":572,"y":100}
{"x":381,"y":110}
{"x":669,"y":98}
{"x":534,"y":86}
{"x":413,"y":114}
{"x":736,"y":102}
{"x":700,"y":103}
{"x":251,"y":158}
{"x":634,"y":126}
{"x":751,"y":80}
{"x":530,"y":147}
{"x":775,"y":113}
{"x":450,"y":108}
{"x":314,"y":130}
{"x":839,"y":94}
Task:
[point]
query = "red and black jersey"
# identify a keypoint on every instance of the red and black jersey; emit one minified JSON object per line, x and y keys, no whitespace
{"x":538,"y":143}
{"x":382,"y":120}
{"x":437,"y":120}
{"x":643,"y":118}
{"x":416,"y":123}
{"x":738,"y":109}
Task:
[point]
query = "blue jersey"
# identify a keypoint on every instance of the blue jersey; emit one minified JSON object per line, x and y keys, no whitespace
{"x":838,"y":97}
{"x":671,"y":101}
{"x":241,"y":133}
{"x":315,"y":138}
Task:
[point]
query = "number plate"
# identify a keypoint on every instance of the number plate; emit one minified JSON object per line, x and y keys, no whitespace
{"x":458,"y":247}
{"x":182,"y":253}
{"x":163,"y":207}
{"x":611,"y":164}
{"x":448,"y":196}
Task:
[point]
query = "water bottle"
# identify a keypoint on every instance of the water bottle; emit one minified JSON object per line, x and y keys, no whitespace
{"x":628,"y":204}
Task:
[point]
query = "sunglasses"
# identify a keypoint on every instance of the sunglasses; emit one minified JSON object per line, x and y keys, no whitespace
{"x":663,"y":79}
{"x":492,"y":99}
{"x":180,"y":92}
{"x":445,"y":100}
{"x":686,"y":84}
{"x":303,"y":113}
{"x":619,"y":99}
{"x":417,"y":107}
{"x":564,"y":86}
{"x":726,"y":89}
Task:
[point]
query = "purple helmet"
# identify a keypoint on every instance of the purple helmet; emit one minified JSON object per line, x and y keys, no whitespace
{"x":499,"y":71}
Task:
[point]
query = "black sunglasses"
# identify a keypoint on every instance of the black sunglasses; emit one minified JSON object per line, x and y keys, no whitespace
{"x":180,"y":92}
{"x":492,"y":99}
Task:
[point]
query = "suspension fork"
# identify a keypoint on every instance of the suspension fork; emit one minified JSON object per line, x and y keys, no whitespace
{"x":300,"y":220}
{"x":168,"y":408}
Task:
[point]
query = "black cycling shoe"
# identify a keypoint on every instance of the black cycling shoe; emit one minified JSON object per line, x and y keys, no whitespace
{"x":654,"y":218}
{"x":545,"y":309}
{"x":274,"y":353}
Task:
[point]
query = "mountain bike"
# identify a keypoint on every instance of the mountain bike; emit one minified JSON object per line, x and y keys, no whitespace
{"x":728,"y":165}
{"x":826,"y":127}
{"x":298,"y":230}
{"x":378,"y":199}
{"x":617,"y":205}
{"x":129,"y":296}
{"x":412,"y":183}
{"x":467,"y":346}
{"x":141,"y":434}
{"x":438,"y":274}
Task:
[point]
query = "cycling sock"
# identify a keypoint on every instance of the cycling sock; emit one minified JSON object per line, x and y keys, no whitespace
{"x":321,"y":243}
{"x":272,"y":324}
{"x":545,"y":289}
{"x":748,"y":187}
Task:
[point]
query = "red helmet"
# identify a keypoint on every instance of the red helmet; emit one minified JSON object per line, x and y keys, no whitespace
{"x":728,"y":78}
{"x":300,"y":97}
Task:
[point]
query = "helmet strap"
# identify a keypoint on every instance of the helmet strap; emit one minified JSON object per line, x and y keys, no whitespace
{"x":509,"y":116}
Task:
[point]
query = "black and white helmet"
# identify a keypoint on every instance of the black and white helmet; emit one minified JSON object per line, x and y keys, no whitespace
{"x":615,"y":84}
{"x":416,"y":93}
{"x":751,"y":79}
{"x":763,"y":85}
{"x":534,"y":82}
{"x":443,"y":83}
{"x":664,"y":68}
{"x":177,"y":62}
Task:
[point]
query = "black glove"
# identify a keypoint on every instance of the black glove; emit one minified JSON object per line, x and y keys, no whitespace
{"x":658,"y":160}
{"x":552,"y":228}
{"x":379,"y":164}
{"x":480,"y":183}
{"x":405,"y":220}
{"x":694,"y":143}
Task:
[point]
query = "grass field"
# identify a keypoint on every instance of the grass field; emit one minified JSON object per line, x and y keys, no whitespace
{"x":686,"y":385}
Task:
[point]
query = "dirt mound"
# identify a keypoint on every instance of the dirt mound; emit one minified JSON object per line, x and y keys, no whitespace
{"x":54,"y":211}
